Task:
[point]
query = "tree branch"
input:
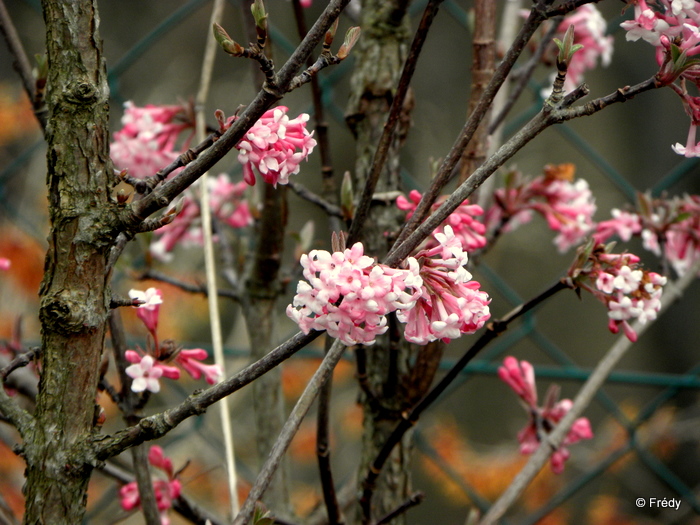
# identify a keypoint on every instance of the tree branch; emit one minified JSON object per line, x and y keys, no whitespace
{"x":382,"y":152}
{"x":537,"y":16}
{"x":187,"y":287}
{"x":289,"y":430}
{"x":547,"y":117}
{"x":164,"y":194}
{"x":494,"y":329}
{"x":672,"y":292}
{"x":21,"y":62}
{"x":158,"y":425}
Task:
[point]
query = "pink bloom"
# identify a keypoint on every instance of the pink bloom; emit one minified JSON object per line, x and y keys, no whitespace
{"x":147,"y":141}
{"x":275,"y":146}
{"x":166,"y":490}
{"x":623,"y":224}
{"x":542,"y":420}
{"x":521,"y":378}
{"x":348,"y":295}
{"x":227,"y":203}
{"x":158,"y":459}
{"x":463,"y":220}
{"x":5,"y":263}
{"x":618,"y":281}
{"x":149,"y":310}
{"x":190,"y":361}
{"x":567,"y":206}
{"x":145,"y":375}
{"x":450,"y":303}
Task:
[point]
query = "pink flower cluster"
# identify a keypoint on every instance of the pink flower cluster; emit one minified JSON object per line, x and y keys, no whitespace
{"x":147,"y":141}
{"x":228,"y":205}
{"x":148,"y":367}
{"x":589,"y":31}
{"x":275,"y":146}
{"x":668,"y":228}
{"x":618,"y":281}
{"x":463,"y":220}
{"x":166,"y":490}
{"x":521,"y":378}
{"x":673,"y":28}
{"x":567,"y":206}
{"x":349,"y":295}
{"x":450,"y":303}
{"x":5,"y":263}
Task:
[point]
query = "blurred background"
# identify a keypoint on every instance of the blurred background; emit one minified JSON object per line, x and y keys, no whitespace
{"x":466,"y":448}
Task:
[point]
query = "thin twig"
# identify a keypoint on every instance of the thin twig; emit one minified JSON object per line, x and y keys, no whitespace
{"x":158,"y":425}
{"x":444,"y":174}
{"x":155,"y":275}
{"x":672,"y":292}
{"x":289,"y":430}
{"x":306,"y":194}
{"x":415,"y":499}
{"x":20,"y":361}
{"x":323,"y":452}
{"x":494,"y":329}
{"x":21,"y":61}
{"x":524,"y":75}
{"x":382,"y":152}
{"x":321,"y":127}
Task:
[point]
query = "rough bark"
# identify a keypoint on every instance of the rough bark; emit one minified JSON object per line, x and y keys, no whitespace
{"x":75,"y":292}
{"x":379,"y":58}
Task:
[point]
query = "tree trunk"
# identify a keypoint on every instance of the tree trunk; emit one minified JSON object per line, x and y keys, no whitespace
{"x":74,"y":294}
{"x":379,"y":60}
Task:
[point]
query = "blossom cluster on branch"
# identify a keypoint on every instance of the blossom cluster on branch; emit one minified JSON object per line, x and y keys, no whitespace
{"x":567,"y":205}
{"x":520,"y":377}
{"x":673,"y":28}
{"x":627,"y":290}
{"x":162,"y":359}
{"x":670,"y":228}
{"x":349,"y":294}
{"x":228,"y":205}
{"x":166,"y":490}
{"x":148,"y":139}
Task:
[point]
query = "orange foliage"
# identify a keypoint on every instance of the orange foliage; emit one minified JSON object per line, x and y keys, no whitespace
{"x":607,"y":510}
{"x":296,"y":374}
{"x":16,"y":115}
{"x":489,"y":474}
{"x":26,"y":256}
{"x":11,"y":469}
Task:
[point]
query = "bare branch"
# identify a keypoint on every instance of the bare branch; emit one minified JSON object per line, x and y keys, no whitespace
{"x":155,"y":275}
{"x":158,"y":425}
{"x":494,"y":329}
{"x":307,"y":194}
{"x":164,"y":194}
{"x":21,"y":61}
{"x":382,"y":152}
{"x":672,"y":292}
{"x":289,"y":430}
